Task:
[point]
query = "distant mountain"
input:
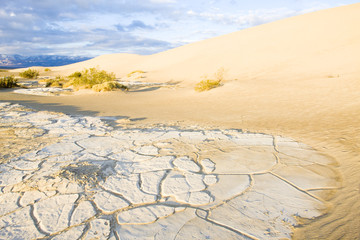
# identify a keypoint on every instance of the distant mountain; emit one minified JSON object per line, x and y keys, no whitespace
{"x":18,"y":61}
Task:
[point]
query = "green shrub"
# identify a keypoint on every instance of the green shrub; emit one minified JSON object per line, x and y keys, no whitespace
{"x":89,"y":77}
{"x":108,"y":86}
{"x":29,"y":73}
{"x":75,"y":75}
{"x":8,"y":82}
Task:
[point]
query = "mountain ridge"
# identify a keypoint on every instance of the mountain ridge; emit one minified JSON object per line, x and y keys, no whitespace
{"x":20,"y":61}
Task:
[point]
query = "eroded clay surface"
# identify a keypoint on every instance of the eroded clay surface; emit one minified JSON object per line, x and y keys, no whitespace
{"x":87,"y":180}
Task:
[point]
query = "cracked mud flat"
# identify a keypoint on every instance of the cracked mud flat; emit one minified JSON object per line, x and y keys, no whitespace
{"x":81,"y":179}
{"x":42,"y":91}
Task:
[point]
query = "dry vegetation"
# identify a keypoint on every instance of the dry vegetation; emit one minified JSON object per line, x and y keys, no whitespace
{"x":137,"y":72}
{"x":30,"y":73}
{"x":108,"y":86}
{"x":93,"y":78}
{"x":207,"y":84}
{"x":8,"y":82}
{"x":57,"y":82}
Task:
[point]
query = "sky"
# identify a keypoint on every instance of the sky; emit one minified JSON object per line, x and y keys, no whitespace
{"x":96,"y":27}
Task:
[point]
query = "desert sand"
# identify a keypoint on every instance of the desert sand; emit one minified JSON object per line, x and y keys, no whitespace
{"x":296,"y":78}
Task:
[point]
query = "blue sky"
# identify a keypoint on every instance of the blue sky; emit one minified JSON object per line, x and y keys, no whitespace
{"x":96,"y":27}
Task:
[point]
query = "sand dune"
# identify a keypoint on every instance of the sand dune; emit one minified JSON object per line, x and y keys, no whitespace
{"x":312,"y":45}
{"x":298,"y":77}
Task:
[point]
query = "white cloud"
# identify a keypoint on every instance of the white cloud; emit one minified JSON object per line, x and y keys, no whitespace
{"x":250,"y":18}
{"x":163,"y":1}
{"x":136,"y":26}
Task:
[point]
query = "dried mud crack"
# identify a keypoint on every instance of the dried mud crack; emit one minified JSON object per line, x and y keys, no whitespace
{"x":81,"y":179}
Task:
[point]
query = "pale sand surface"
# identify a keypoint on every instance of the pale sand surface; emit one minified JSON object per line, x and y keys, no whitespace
{"x":298,"y":78}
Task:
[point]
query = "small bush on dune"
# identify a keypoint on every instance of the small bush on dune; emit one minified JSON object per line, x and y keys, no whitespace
{"x":75,"y":75}
{"x":54,"y":83}
{"x":92,"y":78}
{"x":47,"y":70}
{"x":108,"y":86}
{"x":29,"y":73}
{"x":57,"y":82}
{"x":89,"y":77}
{"x":207,"y":84}
{"x":8,"y":82}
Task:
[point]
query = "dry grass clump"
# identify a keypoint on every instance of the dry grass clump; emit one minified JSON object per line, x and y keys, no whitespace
{"x":108,"y":86}
{"x":75,"y":75}
{"x":30,"y":73}
{"x":57,"y":82}
{"x":135,"y":72}
{"x":47,"y":70}
{"x":3,"y":70}
{"x":8,"y":82}
{"x":207,"y":84}
{"x":89,"y":78}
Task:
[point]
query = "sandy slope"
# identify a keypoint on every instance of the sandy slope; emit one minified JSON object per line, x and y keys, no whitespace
{"x":298,"y":77}
{"x":313,"y":45}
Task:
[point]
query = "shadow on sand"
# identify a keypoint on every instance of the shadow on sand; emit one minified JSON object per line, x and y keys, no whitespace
{"x":71,"y":110}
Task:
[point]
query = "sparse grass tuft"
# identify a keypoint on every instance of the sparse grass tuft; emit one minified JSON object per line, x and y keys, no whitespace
{"x":108,"y":86}
{"x":8,"y":82}
{"x":3,"y":70}
{"x":134,"y":72}
{"x":207,"y":84}
{"x":29,"y":73}
{"x":47,"y":70}
{"x":89,"y":78}
{"x":220,"y":73}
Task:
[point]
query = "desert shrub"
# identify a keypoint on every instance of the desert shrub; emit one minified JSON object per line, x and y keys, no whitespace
{"x":75,"y":75}
{"x":8,"y":82}
{"x":89,"y":77}
{"x":207,"y":84}
{"x":57,"y":82}
{"x":108,"y":86}
{"x":135,"y":72}
{"x":53,"y":83}
{"x":29,"y":73}
{"x":47,"y":70}
{"x":3,"y":70}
